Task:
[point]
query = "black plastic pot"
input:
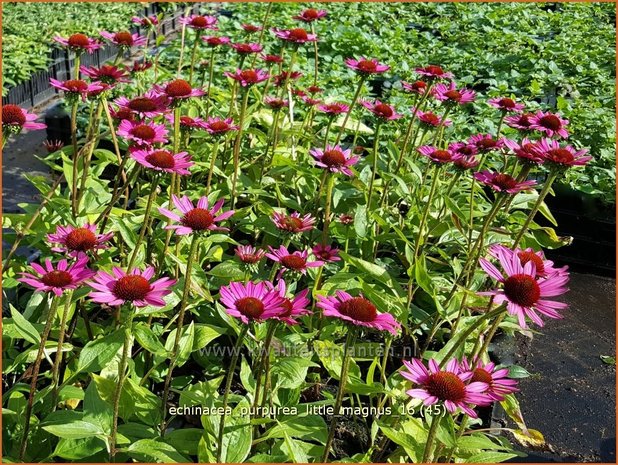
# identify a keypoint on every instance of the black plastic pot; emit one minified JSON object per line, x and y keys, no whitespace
{"x":58,"y":123}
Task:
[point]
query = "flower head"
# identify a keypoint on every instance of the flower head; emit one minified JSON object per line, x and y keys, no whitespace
{"x":346,"y":219}
{"x":506,"y":104}
{"x":543,"y":267}
{"x":219,"y":127}
{"x":334,"y":109}
{"x":335,"y":159}
{"x":292,"y":307}
{"x":246,"y":49}
{"x":215,"y":41}
{"x":451,"y":95}
{"x":140,"y":66}
{"x":297,"y":35}
{"x":416,"y":87}
{"x":561,"y":156}
{"x":295,"y":262}
{"x":74,"y":88}
{"x":53,"y":145}
{"x":142,"y":134}
{"x":178,"y":90}
{"x":485,"y":142}
{"x":523,"y":121}
{"x":251,"y":28}
{"x":75,"y":240}
{"x":550,"y":124}
{"x":15,"y":118}
{"x":60,"y":278}
{"x":293,"y":223}
{"x":366,"y":66}
{"x":249,"y":254}
{"x":134,"y":287}
{"x":107,"y":74}
{"x":450,"y":386}
{"x":150,"y":105}
{"x":146,"y":21}
{"x":248,"y":77}
{"x":358,"y":311}
{"x":251,"y":301}
{"x":527,"y":151}
{"x":435,"y":154}
{"x":199,"y":22}
{"x":429,"y":119}
{"x":79,"y":43}
{"x":326,"y":253}
{"x":275,"y":103}
{"x":309,"y":15}
{"x":310,"y":101}
{"x":522,"y":291}
{"x":188,"y":123}
{"x":463,"y":148}
{"x":433,"y":72}
{"x":198,"y":218}
{"x":381,"y":110}
{"x":502,"y":182}
{"x":124,"y":39}
{"x":497,"y":379}
{"x":164,"y":160}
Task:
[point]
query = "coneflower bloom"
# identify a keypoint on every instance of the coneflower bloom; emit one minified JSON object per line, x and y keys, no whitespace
{"x":74,"y":240}
{"x":53,"y":145}
{"x":249,"y":254}
{"x":429,"y":119}
{"x":60,"y":278}
{"x":417,"y":87}
{"x":309,"y":15}
{"x":432,"y":72}
{"x":524,"y":293}
{"x":346,"y":219}
{"x":188,"y":123}
{"x":142,"y":134}
{"x":124,"y":39}
{"x":463,"y":148}
{"x":215,"y":41}
{"x":15,"y":119}
{"x":220,"y":127}
{"x":79,"y":42}
{"x":464,"y":162}
{"x":284,"y":76}
{"x":297,"y":35}
{"x":381,"y":110}
{"x":550,"y":124}
{"x":74,"y":88}
{"x":246,"y":49}
{"x":272,"y":59}
{"x":485,"y":142}
{"x":121,"y":114}
{"x":107,"y":74}
{"x":502,"y":182}
{"x":310,"y":101}
{"x":436,"y":155}
{"x":293,"y":223}
{"x":178,"y":90}
{"x":149,"y":105}
{"x":497,"y":379}
{"x":134,"y":287}
{"x":248,"y":77}
{"x":326,"y":253}
{"x":164,"y":160}
{"x":358,"y":311}
{"x":561,"y":157}
{"x":140,"y":66}
{"x":522,"y":122}
{"x":526,"y":152}
{"x":506,"y":104}
{"x":366,"y":67}
{"x":334,"y":109}
{"x":543,"y":267}
{"x":449,"y":386}
{"x":451,"y":95}
{"x":251,"y":28}
{"x":251,"y":301}
{"x":275,"y":103}
{"x":335,"y":159}
{"x":295,"y":262}
{"x":198,"y":218}
{"x":292,"y":307}
{"x":199,"y":22}
{"x":314,"y":90}
{"x":146,"y":21}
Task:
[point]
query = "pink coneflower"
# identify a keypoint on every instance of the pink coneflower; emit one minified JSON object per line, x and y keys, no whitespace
{"x":178,"y":89}
{"x":366,"y":67}
{"x":199,"y":22}
{"x":463,"y":148}
{"x":293,"y":223}
{"x":543,"y":267}
{"x":295,"y":262}
{"x":435,"y":154}
{"x":215,"y":41}
{"x":292,"y":307}
{"x":309,"y":15}
{"x":449,"y":386}
{"x":297,"y":35}
{"x":147,"y":21}
{"x":74,"y":88}
{"x":335,"y":159}
{"x":326,"y":253}
{"x":164,"y":160}
{"x":135,"y":288}
{"x":149,"y":105}
{"x":310,"y":101}
{"x":465,"y":162}
{"x":485,"y":142}
{"x":251,"y":28}
{"x":275,"y":103}
{"x":121,"y":114}
{"x":246,"y":49}
{"x":451,"y":95}
{"x":502,"y":182}
{"x":248,"y":77}
{"x":79,"y":42}
{"x":124,"y":39}
{"x":429,"y":119}
{"x":15,"y":119}
{"x":314,"y":90}
{"x":498,"y":382}
{"x":142,"y":134}
{"x":188,"y":123}
{"x":107,"y":74}
{"x":249,"y":254}
{"x":196,"y":219}
{"x":506,"y":104}
{"x":381,"y":110}
{"x":272,"y":59}
{"x":527,"y":151}
{"x":60,"y":278}
{"x":100,"y":92}
{"x":550,"y":124}
{"x":417,"y":87}
{"x":346,"y":219}
{"x":281,"y":78}
{"x":358,"y":311}
{"x":220,"y":127}
{"x":561,"y":157}
{"x":432,"y":72}
{"x":251,"y":301}
{"x":524,"y":293}
{"x":140,"y":66}
{"x":74,"y":240}
{"x":521,"y":122}
{"x":334,"y":109}
{"x":53,"y":145}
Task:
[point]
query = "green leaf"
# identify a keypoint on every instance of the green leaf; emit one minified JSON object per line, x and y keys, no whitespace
{"x":96,"y":410}
{"x":25,"y":328}
{"x":205,"y":334}
{"x":376,"y":271}
{"x":308,"y":427}
{"x":490,"y":457}
{"x":74,"y":430}
{"x":185,"y":345}
{"x":291,"y":371}
{"x":229,"y":270}
{"x":98,"y":353}
{"x":517,"y":372}
{"x":608,"y":359}
{"x":148,"y":340}
{"x":184,"y":440}
{"x":294,"y":451}
{"x":155,"y":450}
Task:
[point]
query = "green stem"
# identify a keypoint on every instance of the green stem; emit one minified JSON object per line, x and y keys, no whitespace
{"x":349,"y":112}
{"x":431,"y":436}
{"x":122,"y":367}
{"x":237,"y":142}
{"x":151,"y":197}
{"x":75,"y":154}
{"x":265,"y":352}
{"x":490,"y":335}
{"x":327,"y":207}
{"x":213,"y":158}
{"x":211,"y":71}
{"x":63,"y":323}
{"x":374,"y":169}
{"x":421,"y":226}
{"x":193,"y":56}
